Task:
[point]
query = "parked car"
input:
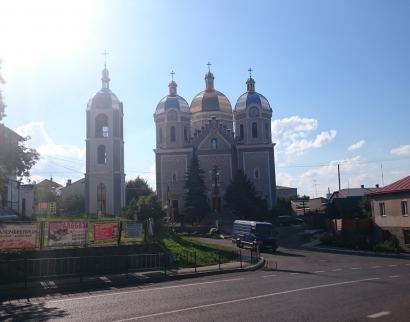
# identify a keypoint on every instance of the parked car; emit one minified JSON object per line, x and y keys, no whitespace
{"x":7,"y":214}
{"x":287,"y":221}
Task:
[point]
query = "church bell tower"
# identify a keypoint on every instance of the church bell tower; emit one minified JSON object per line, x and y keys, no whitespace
{"x":105,"y":177}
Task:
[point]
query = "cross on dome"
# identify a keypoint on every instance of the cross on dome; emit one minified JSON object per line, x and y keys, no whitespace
{"x":209,"y":66}
{"x":105,"y":58}
{"x":250,"y":72}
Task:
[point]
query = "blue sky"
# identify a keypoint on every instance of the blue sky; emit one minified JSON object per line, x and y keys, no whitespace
{"x":336,"y":74}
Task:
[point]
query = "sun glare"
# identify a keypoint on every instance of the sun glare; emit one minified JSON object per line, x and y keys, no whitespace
{"x":31,"y":31}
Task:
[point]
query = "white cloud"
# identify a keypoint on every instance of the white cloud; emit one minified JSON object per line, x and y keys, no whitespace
{"x":292,"y":134}
{"x":356,"y":146}
{"x":303,"y":145}
{"x":401,"y":150}
{"x":54,"y":158}
{"x":284,"y":179}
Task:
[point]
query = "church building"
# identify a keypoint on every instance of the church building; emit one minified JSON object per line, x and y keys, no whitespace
{"x":223,"y":139}
{"x":104,"y":177}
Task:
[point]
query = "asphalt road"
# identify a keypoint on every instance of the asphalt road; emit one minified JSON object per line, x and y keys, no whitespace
{"x":306,"y":286}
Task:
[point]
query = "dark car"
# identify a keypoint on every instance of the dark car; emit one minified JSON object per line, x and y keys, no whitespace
{"x":284,"y":221}
{"x":7,"y":214}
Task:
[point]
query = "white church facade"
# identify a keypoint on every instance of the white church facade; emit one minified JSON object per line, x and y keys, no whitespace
{"x":221,"y":137}
{"x":104,"y":177}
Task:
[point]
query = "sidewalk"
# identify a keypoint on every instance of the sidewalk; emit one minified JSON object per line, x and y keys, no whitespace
{"x":65,"y":287}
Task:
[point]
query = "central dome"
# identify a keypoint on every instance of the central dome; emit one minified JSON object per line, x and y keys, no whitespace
{"x":210,"y":100}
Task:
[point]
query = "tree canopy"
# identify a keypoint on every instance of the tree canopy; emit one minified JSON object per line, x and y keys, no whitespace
{"x":240,"y":196}
{"x":196,"y":201}
{"x":149,"y":207}
{"x":72,"y":204}
{"x":136,"y":188}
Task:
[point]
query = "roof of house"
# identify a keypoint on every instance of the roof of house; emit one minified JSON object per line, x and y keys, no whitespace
{"x":49,"y":184}
{"x":282,"y":187}
{"x":351,"y":192}
{"x":398,"y":186}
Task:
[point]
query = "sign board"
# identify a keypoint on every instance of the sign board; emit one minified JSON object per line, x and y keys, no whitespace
{"x":105,"y":232}
{"x":18,"y":236}
{"x":133,"y":229}
{"x":68,"y":233}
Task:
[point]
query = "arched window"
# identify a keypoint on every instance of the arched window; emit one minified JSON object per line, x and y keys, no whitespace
{"x":266,"y":131}
{"x":173,"y":135}
{"x":101,"y":154}
{"x":174,"y":176}
{"x":241,"y":132}
{"x":185,"y":134}
{"x":254,"y":130}
{"x":214,"y":144}
{"x":256,"y":173}
{"x":101,"y":126}
{"x":160,"y":135}
{"x":101,"y":198}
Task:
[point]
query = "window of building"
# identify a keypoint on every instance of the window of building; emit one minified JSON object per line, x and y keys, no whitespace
{"x":382,"y":209}
{"x":101,"y":154}
{"x":404,"y":210}
{"x":174,"y":176}
{"x":173,"y":135}
{"x":256,"y":173}
{"x":185,"y":134}
{"x":266,"y":131}
{"x":214,"y":144}
{"x":406,"y":236}
{"x":254,"y":130}
{"x":101,"y":198}
{"x":241,"y":132}
{"x":160,"y":135}
{"x":101,"y":126}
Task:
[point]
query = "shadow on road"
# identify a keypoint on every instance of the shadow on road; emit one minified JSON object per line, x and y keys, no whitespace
{"x":30,"y":312}
{"x":281,"y":253}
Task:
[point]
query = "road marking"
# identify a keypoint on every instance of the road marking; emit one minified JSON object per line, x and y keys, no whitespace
{"x":319,"y":272}
{"x":408,"y":264}
{"x":395,"y":276}
{"x":392,"y":265}
{"x":144,"y":290}
{"x":268,"y":275}
{"x":252,"y":298}
{"x":337,"y":269}
{"x":375,"y":267}
{"x":377,"y":315}
{"x":294,"y":273}
{"x":356,"y":268}
{"x":105,"y":279}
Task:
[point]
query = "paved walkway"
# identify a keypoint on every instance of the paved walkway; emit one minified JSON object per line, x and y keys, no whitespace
{"x":62,"y":287}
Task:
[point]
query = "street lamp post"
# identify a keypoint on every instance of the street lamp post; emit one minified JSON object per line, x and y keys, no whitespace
{"x":215,"y":201}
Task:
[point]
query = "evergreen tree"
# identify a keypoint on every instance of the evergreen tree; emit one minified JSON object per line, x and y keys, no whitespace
{"x":136,"y":188}
{"x":240,"y":196}
{"x":196,"y":201}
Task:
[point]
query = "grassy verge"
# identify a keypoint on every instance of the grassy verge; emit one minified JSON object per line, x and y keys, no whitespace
{"x":185,"y":248}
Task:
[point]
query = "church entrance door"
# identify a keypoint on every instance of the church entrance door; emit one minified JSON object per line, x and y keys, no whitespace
{"x":217,"y":203}
{"x":175,"y":206}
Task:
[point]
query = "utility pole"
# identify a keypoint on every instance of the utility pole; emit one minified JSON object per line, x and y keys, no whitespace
{"x":215,"y":201}
{"x":338,"y":173}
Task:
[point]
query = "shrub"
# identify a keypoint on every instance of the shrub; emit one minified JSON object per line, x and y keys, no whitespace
{"x":213,"y":231}
{"x":326,"y":238}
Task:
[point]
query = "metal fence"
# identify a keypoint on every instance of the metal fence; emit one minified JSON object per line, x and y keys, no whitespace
{"x":24,"y":270}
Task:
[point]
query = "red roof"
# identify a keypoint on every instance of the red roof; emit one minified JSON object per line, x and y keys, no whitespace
{"x":398,"y":186}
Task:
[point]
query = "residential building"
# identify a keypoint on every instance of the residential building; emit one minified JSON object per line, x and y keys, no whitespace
{"x":284,"y":192}
{"x":390,"y":209}
{"x":71,"y":187}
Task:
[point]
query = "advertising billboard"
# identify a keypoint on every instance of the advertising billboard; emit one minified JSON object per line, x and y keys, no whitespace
{"x":68,"y":233}
{"x":18,"y":236}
